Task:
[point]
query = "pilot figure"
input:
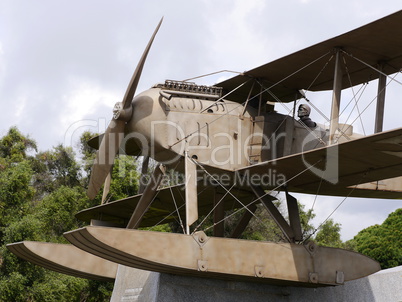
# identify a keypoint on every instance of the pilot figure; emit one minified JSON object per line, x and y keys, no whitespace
{"x":303,"y":113}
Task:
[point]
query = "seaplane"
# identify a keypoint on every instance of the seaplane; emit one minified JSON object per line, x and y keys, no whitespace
{"x":234,"y":150}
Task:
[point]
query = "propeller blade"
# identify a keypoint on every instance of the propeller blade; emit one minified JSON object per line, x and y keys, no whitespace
{"x":106,"y":187}
{"x":137,"y":73}
{"x":115,"y":132}
{"x":144,"y":172}
{"x":105,"y":156}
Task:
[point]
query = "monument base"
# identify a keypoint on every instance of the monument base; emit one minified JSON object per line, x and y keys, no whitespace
{"x":137,"y":285}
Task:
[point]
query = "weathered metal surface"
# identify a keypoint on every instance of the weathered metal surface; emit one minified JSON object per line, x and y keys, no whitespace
{"x":66,"y":259}
{"x":382,"y":154}
{"x":294,"y":217}
{"x":163,"y":206}
{"x":199,"y":255}
{"x":336,"y":97}
{"x":191,"y":192}
{"x":379,"y":115}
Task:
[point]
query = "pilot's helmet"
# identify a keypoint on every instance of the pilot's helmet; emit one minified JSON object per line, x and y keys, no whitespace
{"x":304,"y":110}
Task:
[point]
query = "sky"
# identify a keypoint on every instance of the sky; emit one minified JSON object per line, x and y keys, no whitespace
{"x":64,"y":64}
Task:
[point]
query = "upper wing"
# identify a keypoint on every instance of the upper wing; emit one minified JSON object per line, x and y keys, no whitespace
{"x":336,"y":169}
{"x":375,"y":42}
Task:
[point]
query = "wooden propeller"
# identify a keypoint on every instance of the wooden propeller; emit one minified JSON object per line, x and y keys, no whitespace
{"x":114,"y":133}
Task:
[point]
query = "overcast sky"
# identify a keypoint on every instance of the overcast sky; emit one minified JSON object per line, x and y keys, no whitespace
{"x":63,"y":64}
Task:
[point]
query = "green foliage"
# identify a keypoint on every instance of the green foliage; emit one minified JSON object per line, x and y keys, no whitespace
{"x":305,"y":220}
{"x":382,"y":242}
{"x":57,"y":209}
{"x":13,"y":288}
{"x":159,"y":228}
{"x":329,"y":234}
{"x":14,"y":145}
{"x":56,"y":168}
{"x":15,"y":191}
{"x":262,"y":227}
{"x":49,"y":286}
{"x":39,"y":196}
{"x":124,"y":181}
{"x":88,"y":153}
{"x":124,"y":178}
{"x":57,"y":287}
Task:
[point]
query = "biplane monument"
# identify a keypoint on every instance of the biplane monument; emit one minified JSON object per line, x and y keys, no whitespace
{"x":235,"y":150}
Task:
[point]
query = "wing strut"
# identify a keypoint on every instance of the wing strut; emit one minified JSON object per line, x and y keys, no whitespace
{"x":244,"y":220}
{"x":275,"y":214}
{"x":294,"y":216}
{"x":219,"y":214}
{"x":147,"y":197}
{"x":144,"y":171}
{"x":191,"y":192}
{"x":336,"y":97}
{"x":379,"y":116}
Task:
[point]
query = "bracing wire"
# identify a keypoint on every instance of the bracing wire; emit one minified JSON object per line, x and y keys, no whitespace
{"x":375,"y":69}
{"x":336,"y":208}
{"x":214,"y":207}
{"x":369,"y":104}
{"x":261,"y":92}
{"x":177,"y":210}
{"x":257,"y":199}
{"x":212,"y":73}
{"x":267,"y":90}
{"x":166,"y":217}
{"x":353,"y":98}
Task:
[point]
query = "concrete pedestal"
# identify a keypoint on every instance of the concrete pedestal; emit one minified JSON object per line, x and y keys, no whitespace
{"x":136,"y":285}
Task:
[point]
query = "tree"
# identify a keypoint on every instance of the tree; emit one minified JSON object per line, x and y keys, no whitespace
{"x":16,"y":191}
{"x":305,"y":221}
{"x":124,"y":178}
{"x":88,"y":154}
{"x":15,"y":177}
{"x":57,"y":210}
{"x":39,"y":196}
{"x":55,"y":168}
{"x":329,"y":234}
{"x":15,"y":146}
{"x":382,"y":242}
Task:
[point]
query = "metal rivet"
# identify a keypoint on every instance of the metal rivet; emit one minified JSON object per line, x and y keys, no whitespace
{"x":258,"y":270}
{"x":202,"y":265}
{"x":313,"y":277}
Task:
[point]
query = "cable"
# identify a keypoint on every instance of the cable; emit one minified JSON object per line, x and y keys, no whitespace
{"x":212,"y":73}
{"x":337,"y":207}
{"x":257,"y":199}
{"x":177,"y":210}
